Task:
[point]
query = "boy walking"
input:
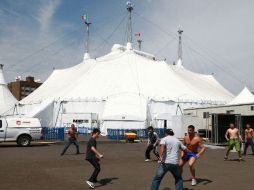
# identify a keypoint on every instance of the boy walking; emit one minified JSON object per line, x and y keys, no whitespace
{"x":93,"y":156}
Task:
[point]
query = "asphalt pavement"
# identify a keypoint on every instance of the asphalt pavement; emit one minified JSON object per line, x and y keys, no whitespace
{"x":40,"y":167}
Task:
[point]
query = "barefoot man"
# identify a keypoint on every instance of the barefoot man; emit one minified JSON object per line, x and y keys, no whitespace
{"x":195,"y":144}
{"x":234,"y":140}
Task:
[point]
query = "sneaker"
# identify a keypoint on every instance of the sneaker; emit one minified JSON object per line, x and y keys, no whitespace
{"x":193,"y":182}
{"x":90,"y":184}
{"x":225,"y":158}
{"x":147,"y":160}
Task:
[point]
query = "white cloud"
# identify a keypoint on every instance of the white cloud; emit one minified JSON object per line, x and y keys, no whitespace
{"x":46,"y":12}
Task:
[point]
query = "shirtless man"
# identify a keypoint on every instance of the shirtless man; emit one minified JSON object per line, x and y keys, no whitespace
{"x":249,"y":134}
{"x":234,"y":140}
{"x":195,"y":144}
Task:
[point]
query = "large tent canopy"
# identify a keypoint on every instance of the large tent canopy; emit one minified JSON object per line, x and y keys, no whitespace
{"x":124,"y":88}
{"x":123,"y":72}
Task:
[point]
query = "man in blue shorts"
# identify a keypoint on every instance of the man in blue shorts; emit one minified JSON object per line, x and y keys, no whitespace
{"x":195,"y":144}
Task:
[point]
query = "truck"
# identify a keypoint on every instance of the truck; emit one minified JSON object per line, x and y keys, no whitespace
{"x":21,"y":130}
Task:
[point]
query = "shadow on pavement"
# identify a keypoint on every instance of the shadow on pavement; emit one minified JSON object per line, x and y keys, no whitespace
{"x":167,"y":188}
{"x":15,"y":145}
{"x":200,"y":181}
{"x":235,"y":160}
{"x":106,"y":181}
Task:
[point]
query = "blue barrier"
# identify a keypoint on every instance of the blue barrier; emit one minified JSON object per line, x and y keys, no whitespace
{"x":53,"y":133}
{"x":119,"y":134}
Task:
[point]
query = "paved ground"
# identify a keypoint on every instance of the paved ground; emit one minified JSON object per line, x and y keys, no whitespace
{"x":41,"y":167}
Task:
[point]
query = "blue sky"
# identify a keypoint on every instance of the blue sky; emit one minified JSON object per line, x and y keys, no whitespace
{"x":39,"y":35}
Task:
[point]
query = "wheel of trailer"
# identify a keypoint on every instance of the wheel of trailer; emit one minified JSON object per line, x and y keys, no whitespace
{"x":24,"y":140}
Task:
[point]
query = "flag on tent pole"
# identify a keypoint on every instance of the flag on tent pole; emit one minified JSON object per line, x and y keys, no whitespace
{"x":85,"y":17}
{"x":138,"y":34}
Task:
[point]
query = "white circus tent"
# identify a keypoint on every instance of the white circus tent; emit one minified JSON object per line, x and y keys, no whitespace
{"x":7,"y":100}
{"x":124,"y":89}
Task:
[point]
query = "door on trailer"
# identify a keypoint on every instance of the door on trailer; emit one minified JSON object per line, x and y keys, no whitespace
{"x":220,"y":124}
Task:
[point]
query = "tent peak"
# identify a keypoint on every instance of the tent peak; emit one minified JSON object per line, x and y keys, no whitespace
{"x":245,"y":96}
{"x":179,"y":63}
{"x":129,"y":46}
{"x":2,"y":80}
{"x":86,"y":56}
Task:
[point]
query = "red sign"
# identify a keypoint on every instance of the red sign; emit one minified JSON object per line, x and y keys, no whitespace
{"x":26,"y":122}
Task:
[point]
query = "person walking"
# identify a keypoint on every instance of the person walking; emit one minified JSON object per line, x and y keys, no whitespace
{"x":73,"y":136}
{"x":234,"y":139}
{"x":93,"y":156}
{"x":152,"y":144}
{"x":249,"y":134}
{"x":170,"y":147}
{"x":195,"y":144}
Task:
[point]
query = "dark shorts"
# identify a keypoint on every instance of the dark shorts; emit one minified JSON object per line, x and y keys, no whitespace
{"x":189,"y":155}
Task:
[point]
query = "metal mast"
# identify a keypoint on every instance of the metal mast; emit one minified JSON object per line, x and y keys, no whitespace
{"x":180,"y":51}
{"x":139,"y":44}
{"x":87,"y":23}
{"x":87,"y":35}
{"x":129,"y":8}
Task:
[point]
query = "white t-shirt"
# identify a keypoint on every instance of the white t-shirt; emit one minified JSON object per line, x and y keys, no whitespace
{"x":173,"y":145}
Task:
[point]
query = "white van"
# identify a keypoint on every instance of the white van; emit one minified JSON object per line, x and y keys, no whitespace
{"x":20,"y":129}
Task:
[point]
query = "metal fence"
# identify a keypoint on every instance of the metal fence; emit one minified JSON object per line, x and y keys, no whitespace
{"x":119,"y":134}
{"x":57,"y":134}
{"x":53,"y":133}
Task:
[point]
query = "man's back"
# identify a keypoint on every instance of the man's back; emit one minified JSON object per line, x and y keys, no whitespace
{"x":173,"y":145}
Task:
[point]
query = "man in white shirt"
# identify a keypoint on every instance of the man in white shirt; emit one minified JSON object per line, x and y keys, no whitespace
{"x":169,"y":158}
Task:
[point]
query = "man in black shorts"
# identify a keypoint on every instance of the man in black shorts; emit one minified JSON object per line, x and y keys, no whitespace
{"x":93,"y":156}
{"x":152,"y":144}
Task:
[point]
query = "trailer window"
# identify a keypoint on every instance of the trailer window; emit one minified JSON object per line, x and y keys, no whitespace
{"x":0,"y":123}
